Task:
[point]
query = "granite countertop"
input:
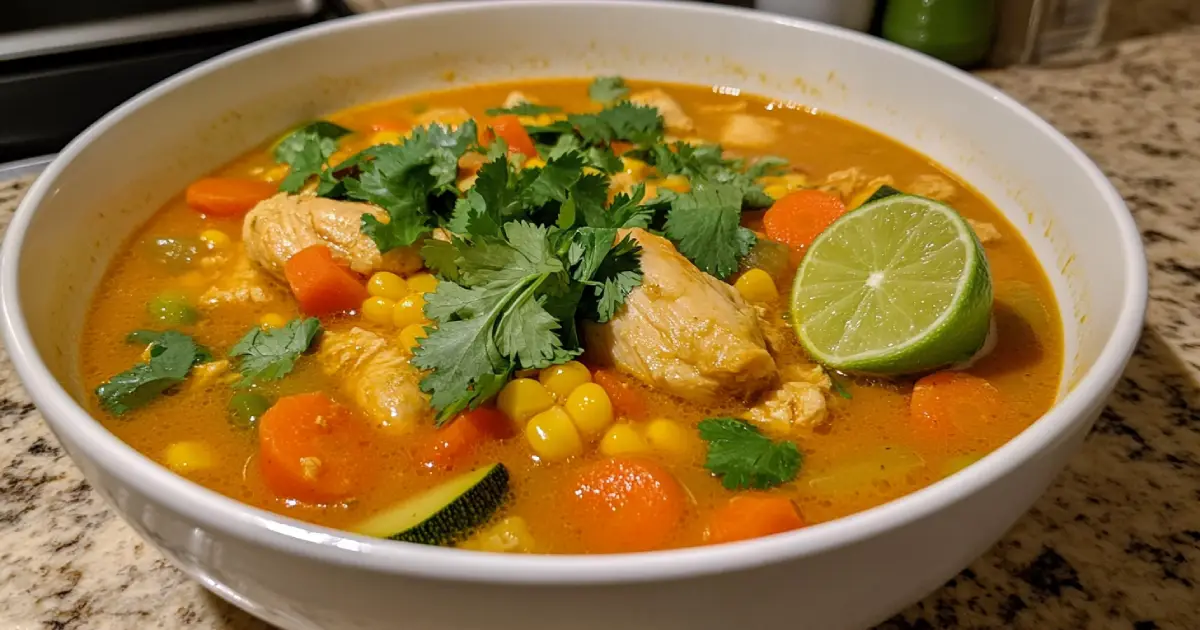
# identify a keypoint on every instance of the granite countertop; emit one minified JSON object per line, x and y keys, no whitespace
{"x":1115,"y":543}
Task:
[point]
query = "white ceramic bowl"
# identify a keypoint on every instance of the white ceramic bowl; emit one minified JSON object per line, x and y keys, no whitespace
{"x":847,"y":573}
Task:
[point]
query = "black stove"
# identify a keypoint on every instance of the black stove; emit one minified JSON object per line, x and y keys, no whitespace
{"x":64,"y":64}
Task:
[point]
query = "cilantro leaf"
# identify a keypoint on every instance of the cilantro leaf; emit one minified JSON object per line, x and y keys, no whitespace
{"x":607,"y":89}
{"x":406,"y":180}
{"x":745,"y":458}
{"x":623,"y":121}
{"x":172,"y":356}
{"x":269,"y":355}
{"x":523,"y":109}
{"x":609,"y":268}
{"x":705,"y":224}
{"x":305,"y":152}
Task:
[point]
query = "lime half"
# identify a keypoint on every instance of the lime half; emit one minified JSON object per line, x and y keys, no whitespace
{"x":899,"y":285}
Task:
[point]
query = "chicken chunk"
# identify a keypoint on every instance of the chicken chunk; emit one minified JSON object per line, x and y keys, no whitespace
{"x":986,"y":232}
{"x":933,"y":187}
{"x":515,"y":98}
{"x":280,"y":226}
{"x":676,"y":119}
{"x":744,"y":131}
{"x":377,"y":376}
{"x":241,"y":283}
{"x":212,"y":373}
{"x":684,"y":332}
{"x":797,"y":405}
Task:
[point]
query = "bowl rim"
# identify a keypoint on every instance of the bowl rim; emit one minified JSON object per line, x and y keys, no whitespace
{"x":290,"y":536}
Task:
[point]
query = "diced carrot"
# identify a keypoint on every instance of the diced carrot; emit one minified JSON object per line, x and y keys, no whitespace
{"x":946,"y":406}
{"x":460,"y":439}
{"x":752,"y":516}
{"x":625,"y":399}
{"x":621,"y":147}
{"x":624,"y":504}
{"x":800,"y":216}
{"x":321,"y":284}
{"x":227,"y":196}
{"x":509,"y":128}
{"x":312,"y":449}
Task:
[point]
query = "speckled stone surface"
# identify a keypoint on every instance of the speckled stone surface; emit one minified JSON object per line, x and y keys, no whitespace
{"x":1115,"y":543}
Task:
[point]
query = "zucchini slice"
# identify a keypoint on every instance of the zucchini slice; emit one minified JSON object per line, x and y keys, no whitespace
{"x":445,"y":514}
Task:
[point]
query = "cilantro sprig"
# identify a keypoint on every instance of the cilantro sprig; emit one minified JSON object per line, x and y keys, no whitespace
{"x":523,"y":109}
{"x":745,"y":458}
{"x":270,"y":354}
{"x":607,"y":89}
{"x":172,"y":355}
{"x":509,"y":301}
{"x":305,"y":151}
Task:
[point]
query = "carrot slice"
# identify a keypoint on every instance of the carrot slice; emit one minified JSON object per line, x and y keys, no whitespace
{"x":621,"y":147}
{"x":464,"y":435}
{"x":622,"y":504}
{"x":227,"y":196}
{"x":312,"y":449}
{"x":509,"y":128}
{"x":800,"y":216}
{"x":321,"y":284}
{"x":625,"y":399}
{"x":947,"y":406}
{"x":752,"y":516}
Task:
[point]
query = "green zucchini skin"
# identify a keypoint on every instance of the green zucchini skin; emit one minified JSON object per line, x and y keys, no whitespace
{"x":445,"y":514}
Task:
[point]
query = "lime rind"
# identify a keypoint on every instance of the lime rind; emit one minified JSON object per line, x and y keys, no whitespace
{"x":899,"y":285}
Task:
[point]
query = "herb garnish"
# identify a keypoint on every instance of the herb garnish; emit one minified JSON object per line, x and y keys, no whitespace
{"x":305,"y":151}
{"x":268,"y":355}
{"x":705,"y":224}
{"x":745,"y":458}
{"x":172,"y":355}
{"x":606,"y":90}
{"x":523,"y":109}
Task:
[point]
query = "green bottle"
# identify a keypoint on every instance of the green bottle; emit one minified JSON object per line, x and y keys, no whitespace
{"x":956,"y":31}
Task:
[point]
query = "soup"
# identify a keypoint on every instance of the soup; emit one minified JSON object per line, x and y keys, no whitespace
{"x":554,"y":317}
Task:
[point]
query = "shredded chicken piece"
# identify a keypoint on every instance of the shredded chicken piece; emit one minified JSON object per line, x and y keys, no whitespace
{"x":799,"y":404}
{"x":683,"y":331}
{"x":242,"y":283}
{"x":676,"y":119}
{"x":447,"y":116}
{"x":212,"y":373}
{"x":515,"y":98}
{"x":933,"y":187}
{"x":746,"y":131}
{"x":729,"y":107}
{"x":377,"y":376}
{"x":986,"y":232}
{"x":277,"y":228}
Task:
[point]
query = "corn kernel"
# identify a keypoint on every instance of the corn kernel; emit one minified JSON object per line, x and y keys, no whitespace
{"x":387,"y":284}
{"x":756,"y":286}
{"x":861,"y":197}
{"x":410,"y":335}
{"x":189,"y":456}
{"x":422,"y":283}
{"x":623,"y":439}
{"x":677,"y":183}
{"x":410,"y":310}
{"x":378,"y":310}
{"x":592,"y":170}
{"x":275,"y":173}
{"x":776,"y":191}
{"x":523,"y":398}
{"x":272,"y":320}
{"x":669,"y":437}
{"x":590,"y":409}
{"x":635,"y":167}
{"x":562,"y":379}
{"x":535,"y":163}
{"x":553,"y":436}
{"x":215,"y":239}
